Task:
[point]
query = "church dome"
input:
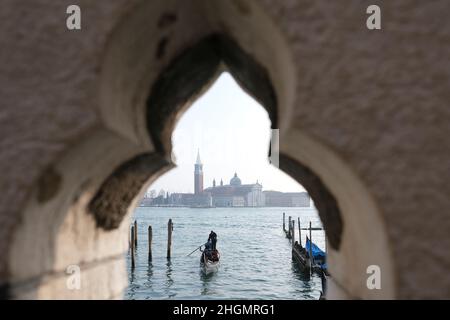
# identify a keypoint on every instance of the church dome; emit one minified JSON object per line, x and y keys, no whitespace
{"x":235,"y":181}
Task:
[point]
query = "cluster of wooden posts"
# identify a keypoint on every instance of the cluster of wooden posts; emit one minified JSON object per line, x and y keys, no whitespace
{"x":303,"y":258}
{"x":290,"y":232}
{"x":134,"y":241}
{"x":298,"y":251}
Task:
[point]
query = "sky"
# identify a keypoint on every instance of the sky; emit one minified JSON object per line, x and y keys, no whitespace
{"x":232,"y":132}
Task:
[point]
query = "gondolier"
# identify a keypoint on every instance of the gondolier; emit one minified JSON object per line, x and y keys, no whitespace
{"x":210,"y":258}
{"x":213,"y":238}
{"x":208,"y":246}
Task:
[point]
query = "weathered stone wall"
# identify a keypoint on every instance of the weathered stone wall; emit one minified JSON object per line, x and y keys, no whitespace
{"x":380,"y":100}
{"x":365,"y":111}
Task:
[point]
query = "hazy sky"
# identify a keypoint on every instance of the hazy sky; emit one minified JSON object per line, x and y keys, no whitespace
{"x":232,"y":131}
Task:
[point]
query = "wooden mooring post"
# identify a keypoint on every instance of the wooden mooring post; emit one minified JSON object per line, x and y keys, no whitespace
{"x":150,"y":236}
{"x":311,"y":258}
{"x":135,"y":233}
{"x":132,"y":247}
{"x":299,"y":233}
{"x":293,"y":234}
{"x":169,"y":237}
{"x":289,"y":234}
{"x":284,"y":221}
{"x":130,"y":238}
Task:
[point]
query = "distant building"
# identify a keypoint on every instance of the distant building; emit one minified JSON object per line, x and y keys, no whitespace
{"x":197,"y":199}
{"x":190,"y":199}
{"x":146,"y":202}
{"x":198,"y":175}
{"x":234,"y":194}
{"x":286,"y":199}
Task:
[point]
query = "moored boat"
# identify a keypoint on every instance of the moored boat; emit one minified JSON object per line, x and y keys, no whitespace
{"x":319,"y":262}
{"x":301,"y":256}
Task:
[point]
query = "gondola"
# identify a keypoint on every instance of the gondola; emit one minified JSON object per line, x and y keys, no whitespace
{"x":210,"y":261}
{"x":318,"y":256}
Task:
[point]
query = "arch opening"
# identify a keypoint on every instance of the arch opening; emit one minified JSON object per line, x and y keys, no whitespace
{"x":226,"y":133}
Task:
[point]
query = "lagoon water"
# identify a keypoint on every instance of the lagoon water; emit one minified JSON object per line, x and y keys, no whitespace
{"x":256,"y":258}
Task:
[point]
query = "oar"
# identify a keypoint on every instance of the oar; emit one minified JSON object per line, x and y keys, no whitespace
{"x":194,"y":251}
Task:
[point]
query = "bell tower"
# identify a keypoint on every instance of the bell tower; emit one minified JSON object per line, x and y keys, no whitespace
{"x":198,"y":175}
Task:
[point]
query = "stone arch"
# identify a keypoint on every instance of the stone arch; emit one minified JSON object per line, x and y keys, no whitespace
{"x":120,"y":149}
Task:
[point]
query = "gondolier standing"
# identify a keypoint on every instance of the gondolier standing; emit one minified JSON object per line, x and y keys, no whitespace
{"x":213,"y":238}
{"x":210,"y":256}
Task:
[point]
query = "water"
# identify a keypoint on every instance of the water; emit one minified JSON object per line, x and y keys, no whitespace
{"x":256,"y":258}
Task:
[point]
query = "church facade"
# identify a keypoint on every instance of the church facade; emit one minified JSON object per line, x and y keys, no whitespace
{"x":234,"y":194}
